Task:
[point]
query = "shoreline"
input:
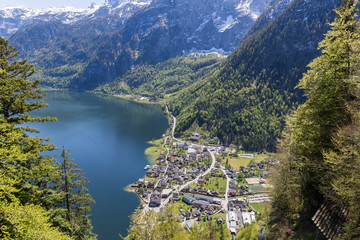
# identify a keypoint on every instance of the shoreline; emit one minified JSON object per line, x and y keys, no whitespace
{"x":121,"y":96}
{"x":150,"y":158}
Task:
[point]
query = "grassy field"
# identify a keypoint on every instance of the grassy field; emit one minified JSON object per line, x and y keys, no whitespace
{"x":176,"y":206}
{"x":151,"y":150}
{"x":260,"y":207}
{"x":153,"y":153}
{"x":237,"y":162}
{"x":256,"y":187}
{"x":157,"y":142}
{"x":262,"y":157}
{"x":150,"y":179}
{"x":216,"y":184}
{"x":220,"y":214}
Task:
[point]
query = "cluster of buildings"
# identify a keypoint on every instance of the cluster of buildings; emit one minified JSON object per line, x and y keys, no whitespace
{"x":202,"y":204}
{"x":239,"y":214}
{"x":184,"y":163}
{"x":180,"y":168}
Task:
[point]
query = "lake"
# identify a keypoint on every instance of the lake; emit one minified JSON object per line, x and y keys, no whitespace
{"x":107,"y":136}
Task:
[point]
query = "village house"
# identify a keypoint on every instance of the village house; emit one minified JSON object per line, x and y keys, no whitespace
{"x":181,"y":145}
{"x":203,"y":205}
{"x":214,"y":172}
{"x":201,"y":180}
{"x":150,"y":184}
{"x":191,"y":153}
{"x":186,"y":189}
{"x":195,"y":136}
{"x":175,"y":197}
{"x":215,"y":193}
{"x":166,"y":193}
{"x":202,"y":191}
{"x":196,"y":147}
{"x":188,"y":199}
{"x":141,"y":182}
{"x":233,"y":185}
{"x":208,"y":199}
{"x":163,"y":182}
{"x":155,"y":200}
{"x":167,"y":140}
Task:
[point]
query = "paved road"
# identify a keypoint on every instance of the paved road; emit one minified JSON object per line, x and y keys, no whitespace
{"x":225,"y":203}
{"x":203,"y":174}
{"x":178,"y":188}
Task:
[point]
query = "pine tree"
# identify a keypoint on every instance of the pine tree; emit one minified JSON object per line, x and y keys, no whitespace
{"x":25,"y":171}
{"x":345,"y":176}
{"x":19,"y":96}
{"x":328,"y":91}
{"x":306,"y":169}
{"x":19,"y":221}
{"x":73,"y":206}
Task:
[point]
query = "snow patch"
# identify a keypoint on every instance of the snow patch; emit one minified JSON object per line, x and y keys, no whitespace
{"x":243,"y":8}
{"x":203,"y":24}
{"x":228,"y":23}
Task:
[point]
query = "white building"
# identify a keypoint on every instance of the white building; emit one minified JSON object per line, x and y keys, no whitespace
{"x":248,"y":217}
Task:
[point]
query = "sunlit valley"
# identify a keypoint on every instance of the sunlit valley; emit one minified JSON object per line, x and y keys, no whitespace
{"x":180,"y":119}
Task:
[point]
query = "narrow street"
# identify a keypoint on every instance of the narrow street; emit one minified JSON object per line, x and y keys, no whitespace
{"x":226,"y":201}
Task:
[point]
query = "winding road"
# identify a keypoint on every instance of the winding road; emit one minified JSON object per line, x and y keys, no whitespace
{"x":178,"y":188}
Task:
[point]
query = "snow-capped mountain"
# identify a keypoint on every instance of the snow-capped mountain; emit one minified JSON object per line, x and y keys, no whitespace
{"x":14,"y":18}
{"x":104,"y":43}
{"x":168,"y":28}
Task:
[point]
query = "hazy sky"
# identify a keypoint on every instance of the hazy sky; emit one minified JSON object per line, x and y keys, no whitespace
{"x":49,"y":3}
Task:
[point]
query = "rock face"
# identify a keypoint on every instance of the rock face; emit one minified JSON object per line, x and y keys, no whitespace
{"x":168,"y":28}
{"x":119,"y":34}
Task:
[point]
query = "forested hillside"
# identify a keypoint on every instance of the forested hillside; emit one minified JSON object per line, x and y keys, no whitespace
{"x":168,"y":77}
{"x":318,"y":155}
{"x":247,"y":100}
{"x":40,"y":197}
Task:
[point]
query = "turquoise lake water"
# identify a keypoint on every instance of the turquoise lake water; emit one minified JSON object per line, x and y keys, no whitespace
{"x":108,"y":137}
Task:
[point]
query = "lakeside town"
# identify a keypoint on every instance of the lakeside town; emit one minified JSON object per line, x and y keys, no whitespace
{"x":201,"y":180}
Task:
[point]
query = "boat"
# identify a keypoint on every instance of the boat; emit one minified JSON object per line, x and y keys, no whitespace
{"x":147,"y":167}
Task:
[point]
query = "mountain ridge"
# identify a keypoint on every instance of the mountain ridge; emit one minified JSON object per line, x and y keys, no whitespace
{"x":13,"y":19}
{"x":150,"y":35}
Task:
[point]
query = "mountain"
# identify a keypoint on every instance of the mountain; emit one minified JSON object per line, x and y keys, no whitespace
{"x":247,"y":101}
{"x":88,"y":53}
{"x":13,"y":19}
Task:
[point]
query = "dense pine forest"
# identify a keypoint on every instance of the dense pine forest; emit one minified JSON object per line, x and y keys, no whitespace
{"x":319,"y":151}
{"x":42,"y":197}
{"x":164,"y":78}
